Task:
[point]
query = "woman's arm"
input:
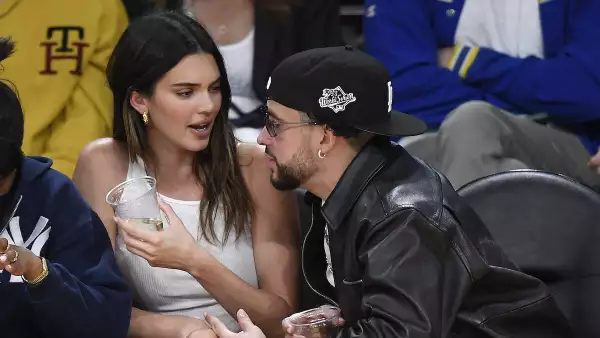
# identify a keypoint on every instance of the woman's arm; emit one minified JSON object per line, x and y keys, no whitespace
{"x":275,"y":243}
{"x":152,"y":325}
{"x":101,"y":166}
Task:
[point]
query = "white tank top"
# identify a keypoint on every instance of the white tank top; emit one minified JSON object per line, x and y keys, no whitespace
{"x":175,"y":292}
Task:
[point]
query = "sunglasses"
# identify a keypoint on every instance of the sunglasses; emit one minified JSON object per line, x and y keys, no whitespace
{"x":274,"y":127}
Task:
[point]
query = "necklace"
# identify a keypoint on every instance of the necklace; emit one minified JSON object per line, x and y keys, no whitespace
{"x":221,"y":30}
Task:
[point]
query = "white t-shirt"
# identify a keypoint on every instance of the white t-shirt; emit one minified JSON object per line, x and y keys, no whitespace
{"x":512,"y":27}
{"x":329,"y":269}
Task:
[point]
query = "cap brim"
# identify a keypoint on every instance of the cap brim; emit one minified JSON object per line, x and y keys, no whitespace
{"x":399,"y":124}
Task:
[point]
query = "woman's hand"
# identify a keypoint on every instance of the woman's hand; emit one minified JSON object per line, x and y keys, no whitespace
{"x":172,"y":248}
{"x":19,"y":261}
{"x":249,"y":330}
{"x":444,"y":56}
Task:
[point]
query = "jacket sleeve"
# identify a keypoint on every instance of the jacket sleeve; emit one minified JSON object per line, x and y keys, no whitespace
{"x":398,"y":306}
{"x":87,"y":114}
{"x":84,"y":294}
{"x":416,"y":280}
{"x":564,"y":86}
{"x":399,"y":34}
{"x":402,"y":306}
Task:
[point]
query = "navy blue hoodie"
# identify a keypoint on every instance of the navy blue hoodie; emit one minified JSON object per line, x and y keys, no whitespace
{"x":84,"y":294}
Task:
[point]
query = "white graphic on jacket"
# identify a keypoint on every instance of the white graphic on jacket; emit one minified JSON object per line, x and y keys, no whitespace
{"x":35,"y":242}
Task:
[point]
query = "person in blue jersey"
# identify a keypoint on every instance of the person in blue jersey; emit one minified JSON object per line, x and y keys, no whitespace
{"x":500,"y":86}
{"x":58,"y":275}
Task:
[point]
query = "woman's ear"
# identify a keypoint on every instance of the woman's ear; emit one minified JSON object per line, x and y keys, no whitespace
{"x":138,"y":102}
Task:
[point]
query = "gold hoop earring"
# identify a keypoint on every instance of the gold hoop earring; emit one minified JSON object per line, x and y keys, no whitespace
{"x":145,"y":117}
{"x":321,"y":154}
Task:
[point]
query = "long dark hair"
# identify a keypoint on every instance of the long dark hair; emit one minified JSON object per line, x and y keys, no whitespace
{"x":11,"y":119}
{"x":11,"y":134}
{"x":148,"y":49}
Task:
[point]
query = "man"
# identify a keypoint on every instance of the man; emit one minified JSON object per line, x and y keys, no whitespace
{"x":64,"y":47}
{"x":469,"y":67}
{"x":58,"y":275}
{"x":404,"y":255}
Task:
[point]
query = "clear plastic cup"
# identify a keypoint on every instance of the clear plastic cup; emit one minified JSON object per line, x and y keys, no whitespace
{"x":321,"y":322}
{"x":135,"y":201}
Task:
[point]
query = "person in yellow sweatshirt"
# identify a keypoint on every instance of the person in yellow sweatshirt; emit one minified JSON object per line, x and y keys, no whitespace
{"x":64,"y":47}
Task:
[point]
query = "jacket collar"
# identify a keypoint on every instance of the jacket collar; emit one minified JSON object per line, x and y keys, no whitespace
{"x":361,"y":171}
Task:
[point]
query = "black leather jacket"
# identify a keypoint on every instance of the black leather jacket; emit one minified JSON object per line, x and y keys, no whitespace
{"x":410,"y":259}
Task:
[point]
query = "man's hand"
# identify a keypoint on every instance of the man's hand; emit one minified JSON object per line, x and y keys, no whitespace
{"x":288,"y":328}
{"x":19,"y":261}
{"x":249,"y":330}
{"x":595,"y":162}
{"x":444,"y":56}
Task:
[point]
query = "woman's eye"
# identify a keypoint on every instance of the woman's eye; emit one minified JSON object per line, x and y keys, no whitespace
{"x":215,"y":89}
{"x":185,"y":93}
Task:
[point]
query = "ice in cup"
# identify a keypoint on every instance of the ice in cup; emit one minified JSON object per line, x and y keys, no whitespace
{"x":321,"y":322}
{"x":135,"y":201}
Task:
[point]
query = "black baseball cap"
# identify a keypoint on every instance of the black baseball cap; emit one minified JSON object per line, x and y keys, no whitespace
{"x":341,"y":86}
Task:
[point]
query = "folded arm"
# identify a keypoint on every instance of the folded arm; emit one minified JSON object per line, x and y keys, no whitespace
{"x":564,"y":86}
{"x":400,"y":35}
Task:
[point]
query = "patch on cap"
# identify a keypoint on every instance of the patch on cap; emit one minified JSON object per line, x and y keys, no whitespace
{"x":336,"y":99}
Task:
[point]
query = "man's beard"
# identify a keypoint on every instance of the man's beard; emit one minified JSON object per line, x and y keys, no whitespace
{"x":285,"y":178}
{"x":290,"y":177}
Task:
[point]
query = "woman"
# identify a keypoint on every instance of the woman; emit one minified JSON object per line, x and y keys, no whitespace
{"x":237,"y":235}
{"x":58,"y":275}
{"x":254,"y":36}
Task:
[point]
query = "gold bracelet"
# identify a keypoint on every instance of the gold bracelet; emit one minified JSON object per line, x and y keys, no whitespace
{"x":41,"y":277}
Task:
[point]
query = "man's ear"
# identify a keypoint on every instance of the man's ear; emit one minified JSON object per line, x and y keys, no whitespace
{"x":328,"y":140}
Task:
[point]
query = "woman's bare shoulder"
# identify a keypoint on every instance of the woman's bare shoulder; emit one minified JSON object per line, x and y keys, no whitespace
{"x":255,"y":168}
{"x":251,"y":157}
{"x":102,"y":157}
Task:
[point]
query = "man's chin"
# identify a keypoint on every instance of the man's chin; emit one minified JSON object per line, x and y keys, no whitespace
{"x":283,"y":185}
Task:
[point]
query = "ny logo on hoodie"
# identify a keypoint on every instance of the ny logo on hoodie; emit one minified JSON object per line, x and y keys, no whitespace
{"x":35,"y":242}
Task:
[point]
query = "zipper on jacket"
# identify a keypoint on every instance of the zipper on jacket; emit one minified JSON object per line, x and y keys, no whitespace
{"x":12,"y":214}
{"x":312,"y":219}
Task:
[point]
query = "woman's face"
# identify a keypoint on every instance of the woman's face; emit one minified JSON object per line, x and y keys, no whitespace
{"x":6,"y":183}
{"x":186,"y":102}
